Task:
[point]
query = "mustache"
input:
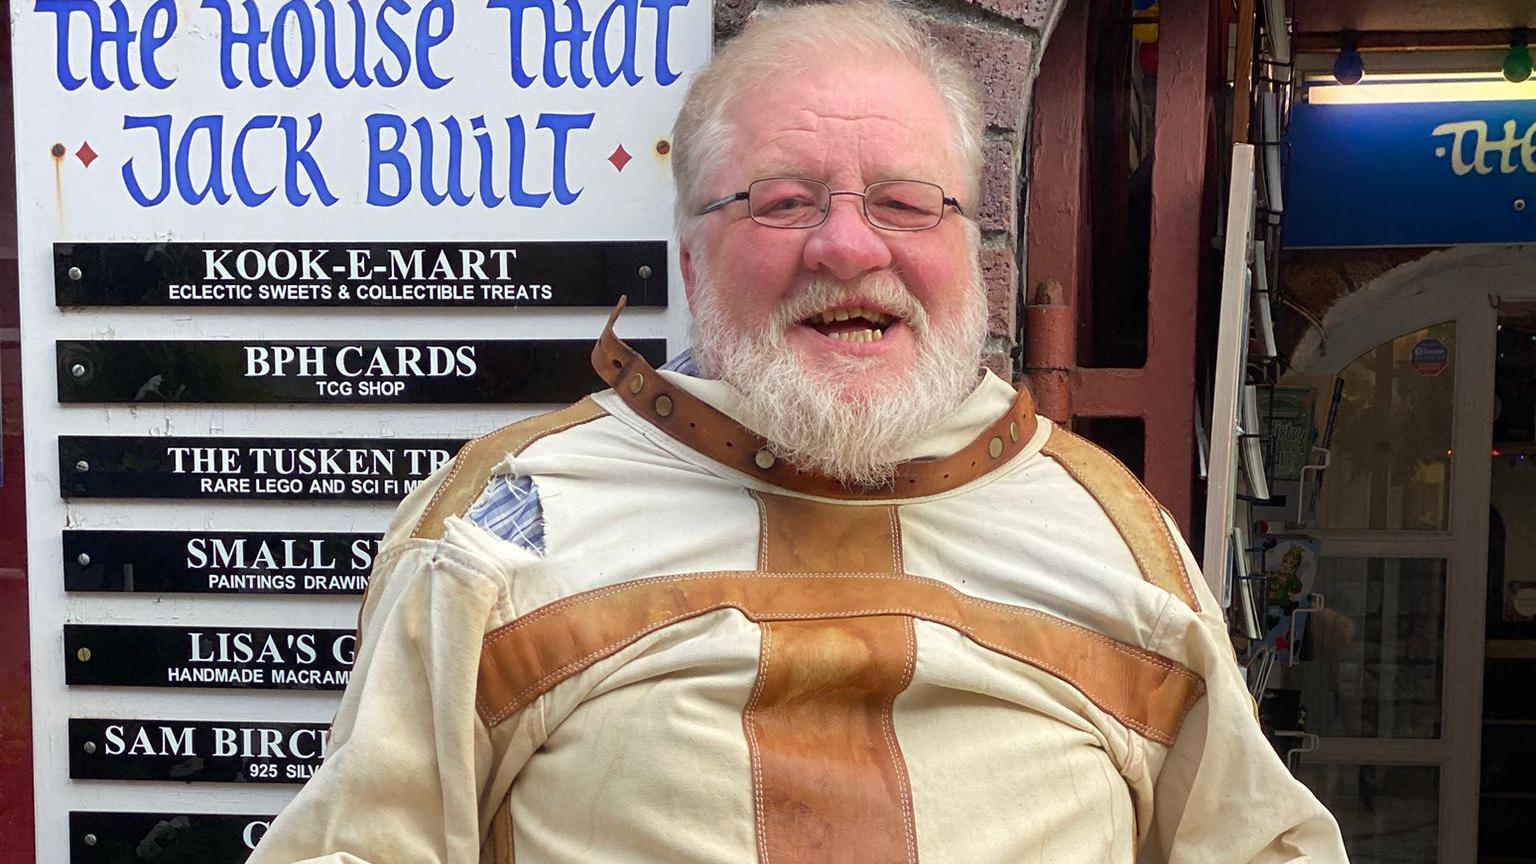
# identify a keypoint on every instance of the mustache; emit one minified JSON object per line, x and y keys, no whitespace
{"x":883,"y":288}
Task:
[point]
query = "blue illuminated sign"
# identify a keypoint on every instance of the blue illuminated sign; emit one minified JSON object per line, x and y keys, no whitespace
{"x":1421,"y":174}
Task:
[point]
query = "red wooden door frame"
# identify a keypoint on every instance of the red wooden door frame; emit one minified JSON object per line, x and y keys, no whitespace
{"x":1162,"y":392}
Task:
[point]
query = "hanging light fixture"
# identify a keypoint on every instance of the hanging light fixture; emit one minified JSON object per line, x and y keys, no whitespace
{"x":1349,"y":68}
{"x":1517,"y":63}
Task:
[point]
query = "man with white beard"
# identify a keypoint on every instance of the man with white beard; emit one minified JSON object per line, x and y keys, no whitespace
{"x":826,"y":594}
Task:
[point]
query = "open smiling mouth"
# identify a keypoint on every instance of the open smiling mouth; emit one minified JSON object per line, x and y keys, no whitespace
{"x":851,"y":323}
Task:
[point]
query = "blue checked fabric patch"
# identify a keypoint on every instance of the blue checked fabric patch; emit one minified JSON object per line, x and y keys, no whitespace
{"x":509,"y":508}
{"x":683,"y":363}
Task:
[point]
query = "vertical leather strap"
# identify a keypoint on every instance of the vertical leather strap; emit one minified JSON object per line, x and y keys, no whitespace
{"x":828,"y":780}
{"x":803,"y":535}
{"x":501,"y":833}
{"x":1135,"y":513}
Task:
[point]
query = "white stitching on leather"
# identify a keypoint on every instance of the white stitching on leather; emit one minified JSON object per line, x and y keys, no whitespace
{"x":753,"y":750}
{"x":888,"y":728}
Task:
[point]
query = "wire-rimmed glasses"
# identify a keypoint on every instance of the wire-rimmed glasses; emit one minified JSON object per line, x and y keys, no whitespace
{"x":798,"y":202}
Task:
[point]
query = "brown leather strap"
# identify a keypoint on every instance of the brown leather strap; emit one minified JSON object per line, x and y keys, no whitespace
{"x":1132,"y":509}
{"x":501,"y":833}
{"x":829,"y":783}
{"x":709,"y":431}
{"x":799,"y":534}
{"x":529,"y":655}
{"x":828,"y":779}
{"x":472,"y":466}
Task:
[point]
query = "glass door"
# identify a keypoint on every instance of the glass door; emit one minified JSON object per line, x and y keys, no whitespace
{"x":1507,"y":786}
{"x":1390,"y":678}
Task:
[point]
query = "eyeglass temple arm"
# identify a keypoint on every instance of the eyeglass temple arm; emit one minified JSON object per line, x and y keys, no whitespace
{"x":716,"y":204}
{"x":955,"y":203}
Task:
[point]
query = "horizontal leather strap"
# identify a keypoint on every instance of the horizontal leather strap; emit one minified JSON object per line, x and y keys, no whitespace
{"x":528,"y":656}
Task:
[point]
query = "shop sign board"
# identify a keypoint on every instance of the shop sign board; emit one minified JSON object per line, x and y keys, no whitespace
{"x":219,"y":562}
{"x":420,"y":372}
{"x":248,"y":469}
{"x":259,"y":658}
{"x":276,"y":266}
{"x":559,"y":273}
{"x":1416,"y":174}
{"x":195,"y":751}
{"x":100,"y":837}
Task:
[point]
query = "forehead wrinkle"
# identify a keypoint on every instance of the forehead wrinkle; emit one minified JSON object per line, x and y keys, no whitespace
{"x":783,"y":143}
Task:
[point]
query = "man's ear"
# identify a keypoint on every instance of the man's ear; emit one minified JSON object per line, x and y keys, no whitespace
{"x":685,"y":263}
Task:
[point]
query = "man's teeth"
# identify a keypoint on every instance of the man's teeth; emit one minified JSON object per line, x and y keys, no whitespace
{"x":858,"y":335}
{"x":844,"y":313}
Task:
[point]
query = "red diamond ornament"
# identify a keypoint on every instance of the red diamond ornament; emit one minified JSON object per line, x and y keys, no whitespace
{"x":620,"y":158}
{"x":85,"y":154}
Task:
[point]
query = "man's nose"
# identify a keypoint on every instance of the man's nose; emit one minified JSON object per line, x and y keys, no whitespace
{"x":846,"y":246}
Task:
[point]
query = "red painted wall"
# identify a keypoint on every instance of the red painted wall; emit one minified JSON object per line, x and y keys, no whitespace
{"x":16,"y":842}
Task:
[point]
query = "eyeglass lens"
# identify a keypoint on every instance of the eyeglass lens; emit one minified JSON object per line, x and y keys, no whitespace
{"x":898,"y":205}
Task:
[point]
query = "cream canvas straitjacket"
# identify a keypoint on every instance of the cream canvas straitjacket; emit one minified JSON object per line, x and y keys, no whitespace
{"x":1008,"y":657}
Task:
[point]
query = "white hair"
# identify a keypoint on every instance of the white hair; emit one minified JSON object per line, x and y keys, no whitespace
{"x":804,"y":413}
{"x":780,"y":40}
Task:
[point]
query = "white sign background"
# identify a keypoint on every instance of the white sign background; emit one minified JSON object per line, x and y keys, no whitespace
{"x":63,"y":199}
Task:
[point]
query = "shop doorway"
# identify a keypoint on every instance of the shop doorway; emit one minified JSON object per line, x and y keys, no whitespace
{"x":1420,"y":680}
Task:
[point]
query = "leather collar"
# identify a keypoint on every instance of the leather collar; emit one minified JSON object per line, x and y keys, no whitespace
{"x":710,"y":431}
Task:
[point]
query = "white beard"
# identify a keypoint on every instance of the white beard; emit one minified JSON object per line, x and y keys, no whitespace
{"x":805,"y":415}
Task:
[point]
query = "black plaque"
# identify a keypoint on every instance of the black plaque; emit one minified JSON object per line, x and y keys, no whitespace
{"x":584,"y":273}
{"x":335,"y":372}
{"x":218,"y":562}
{"x":253,"y":658}
{"x":211,"y":751}
{"x":97,"y":837}
{"x":284,"y":469}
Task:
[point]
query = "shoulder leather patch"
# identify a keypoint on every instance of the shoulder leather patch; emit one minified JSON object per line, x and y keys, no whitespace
{"x":1132,"y":509}
{"x":472,"y":466}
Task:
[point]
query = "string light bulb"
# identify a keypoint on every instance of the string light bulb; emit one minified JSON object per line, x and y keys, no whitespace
{"x":1517,"y":63}
{"x":1349,"y":68}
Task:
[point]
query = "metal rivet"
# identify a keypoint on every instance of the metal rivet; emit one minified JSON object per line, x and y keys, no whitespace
{"x":77,"y":370}
{"x":90,"y":747}
{"x":645,"y":271}
{"x":84,"y":654}
{"x":764,"y":459}
{"x":90,"y":839}
{"x":995,"y":447}
{"x":637,"y":383}
{"x":84,"y":559}
{"x":663,"y":147}
{"x":75,"y":274}
{"x":82,"y":466}
{"x":1519,"y":205}
{"x":1013,"y":431}
{"x":664,"y":405}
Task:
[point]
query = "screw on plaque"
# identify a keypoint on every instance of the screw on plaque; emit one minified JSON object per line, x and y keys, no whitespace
{"x":82,"y":466}
{"x":78,"y":370}
{"x":663,"y":147}
{"x":1519,"y":205}
{"x":84,"y":559}
{"x":75,"y":273}
{"x":90,"y":839}
{"x":90,"y":747}
{"x":645,"y":271}
{"x":84,"y":654}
